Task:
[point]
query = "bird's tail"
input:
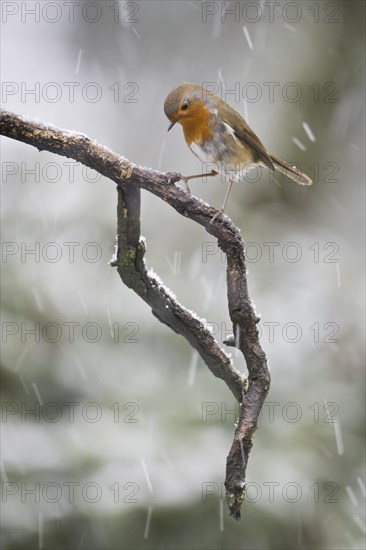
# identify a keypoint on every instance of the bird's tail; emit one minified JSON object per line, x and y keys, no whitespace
{"x":290,"y":171}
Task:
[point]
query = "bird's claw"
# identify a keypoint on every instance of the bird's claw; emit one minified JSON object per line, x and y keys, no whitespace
{"x":185,"y":180}
{"x":173,"y":177}
{"x":219,"y":214}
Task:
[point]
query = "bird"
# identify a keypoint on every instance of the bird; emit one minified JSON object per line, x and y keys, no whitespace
{"x":216,"y":133}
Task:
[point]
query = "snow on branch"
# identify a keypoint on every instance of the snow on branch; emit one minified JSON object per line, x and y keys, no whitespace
{"x":130,"y":179}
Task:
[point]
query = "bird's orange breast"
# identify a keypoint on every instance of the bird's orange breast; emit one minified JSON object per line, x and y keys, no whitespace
{"x":197,"y":126}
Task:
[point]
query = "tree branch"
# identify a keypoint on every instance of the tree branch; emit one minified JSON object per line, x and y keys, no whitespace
{"x":131,"y":267}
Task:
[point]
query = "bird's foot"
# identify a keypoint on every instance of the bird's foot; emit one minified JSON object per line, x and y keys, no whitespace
{"x":219,"y":214}
{"x":185,"y":179}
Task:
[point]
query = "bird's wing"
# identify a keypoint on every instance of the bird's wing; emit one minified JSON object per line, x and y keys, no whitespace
{"x":244,"y":133}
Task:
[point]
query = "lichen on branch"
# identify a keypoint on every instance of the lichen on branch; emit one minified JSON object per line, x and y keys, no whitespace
{"x":130,"y":179}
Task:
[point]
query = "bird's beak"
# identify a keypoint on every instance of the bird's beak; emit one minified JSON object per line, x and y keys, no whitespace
{"x":171,"y":125}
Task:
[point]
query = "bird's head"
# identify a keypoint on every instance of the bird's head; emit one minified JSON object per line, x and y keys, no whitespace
{"x":186,"y":103}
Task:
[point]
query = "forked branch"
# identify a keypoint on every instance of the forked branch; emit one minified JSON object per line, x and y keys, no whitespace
{"x":130,"y":179}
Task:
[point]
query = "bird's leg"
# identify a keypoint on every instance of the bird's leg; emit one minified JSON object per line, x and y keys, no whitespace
{"x":231,"y":181}
{"x":187,"y":178}
{"x":222,"y":209}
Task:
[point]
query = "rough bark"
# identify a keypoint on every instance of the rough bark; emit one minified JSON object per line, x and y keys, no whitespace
{"x":130,"y":179}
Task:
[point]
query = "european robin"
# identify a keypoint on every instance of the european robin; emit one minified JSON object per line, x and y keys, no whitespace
{"x":218,"y":134}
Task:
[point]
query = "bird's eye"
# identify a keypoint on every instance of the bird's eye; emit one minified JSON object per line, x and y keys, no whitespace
{"x":184,"y":106}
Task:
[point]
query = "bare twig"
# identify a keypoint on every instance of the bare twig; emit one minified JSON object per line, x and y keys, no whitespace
{"x":130,"y":178}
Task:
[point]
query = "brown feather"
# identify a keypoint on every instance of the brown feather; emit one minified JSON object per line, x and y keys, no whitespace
{"x":290,"y":171}
{"x":245,"y":134}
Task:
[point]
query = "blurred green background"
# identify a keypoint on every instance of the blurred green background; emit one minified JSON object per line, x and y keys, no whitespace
{"x":127,"y":441}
